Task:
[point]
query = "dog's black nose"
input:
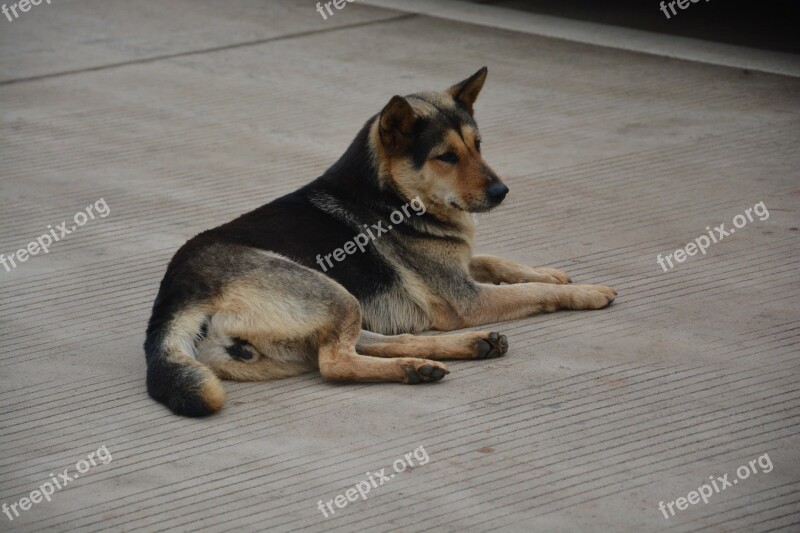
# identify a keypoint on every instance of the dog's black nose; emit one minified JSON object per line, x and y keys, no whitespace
{"x":496,"y":193}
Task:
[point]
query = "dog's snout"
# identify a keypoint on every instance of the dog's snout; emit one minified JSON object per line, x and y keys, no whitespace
{"x":497,"y":192}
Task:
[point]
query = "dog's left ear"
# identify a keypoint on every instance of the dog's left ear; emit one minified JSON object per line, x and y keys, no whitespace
{"x":466,"y":92}
{"x":396,"y":123}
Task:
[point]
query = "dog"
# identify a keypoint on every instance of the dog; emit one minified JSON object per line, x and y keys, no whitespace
{"x":255,"y":299}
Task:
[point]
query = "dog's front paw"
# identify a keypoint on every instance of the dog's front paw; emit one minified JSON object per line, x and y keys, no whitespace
{"x":494,"y":345}
{"x":424,"y":371}
{"x":588,"y":297}
{"x":546,"y":275}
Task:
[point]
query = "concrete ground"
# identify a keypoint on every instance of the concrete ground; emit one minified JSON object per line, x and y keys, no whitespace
{"x":180,"y":115}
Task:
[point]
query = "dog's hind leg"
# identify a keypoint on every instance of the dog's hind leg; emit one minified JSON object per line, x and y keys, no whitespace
{"x":339,"y":360}
{"x":281,"y":319}
{"x":470,"y":345}
{"x":235,"y":358}
{"x":268,"y":321}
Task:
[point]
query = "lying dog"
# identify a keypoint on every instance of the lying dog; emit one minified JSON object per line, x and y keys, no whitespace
{"x":256,"y":299}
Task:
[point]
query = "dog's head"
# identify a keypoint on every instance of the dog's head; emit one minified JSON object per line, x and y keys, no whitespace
{"x":428,"y":146}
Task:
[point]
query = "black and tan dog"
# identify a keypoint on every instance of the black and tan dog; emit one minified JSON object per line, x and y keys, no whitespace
{"x":249,"y":301}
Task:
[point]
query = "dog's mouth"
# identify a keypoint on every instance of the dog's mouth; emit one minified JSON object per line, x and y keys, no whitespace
{"x":455,"y":205}
{"x":481,"y":204}
{"x":472,"y":207}
{"x":483,"y":208}
{"x":493,"y":198}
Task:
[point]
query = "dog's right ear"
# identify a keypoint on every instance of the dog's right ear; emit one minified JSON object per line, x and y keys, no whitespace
{"x":466,"y":92}
{"x":396,"y":124}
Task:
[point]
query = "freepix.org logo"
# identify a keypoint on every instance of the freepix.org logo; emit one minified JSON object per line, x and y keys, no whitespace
{"x":45,"y":491}
{"x":702,"y":242}
{"x":667,"y":7}
{"x":23,"y":6}
{"x":360,"y":241}
{"x":718,"y":484}
{"x":323,"y":6}
{"x":43,"y":243}
{"x":373,"y":481}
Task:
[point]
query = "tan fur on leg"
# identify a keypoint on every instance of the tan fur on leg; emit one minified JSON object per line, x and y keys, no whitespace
{"x":339,"y":361}
{"x":471,"y":345}
{"x":510,"y":302}
{"x":490,"y":269}
{"x":338,"y":365}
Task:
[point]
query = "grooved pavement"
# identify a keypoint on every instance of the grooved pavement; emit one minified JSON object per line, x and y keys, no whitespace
{"x":184,"y":115}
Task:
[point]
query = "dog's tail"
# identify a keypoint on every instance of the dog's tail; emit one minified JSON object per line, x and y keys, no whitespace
{"x":174,"y":377}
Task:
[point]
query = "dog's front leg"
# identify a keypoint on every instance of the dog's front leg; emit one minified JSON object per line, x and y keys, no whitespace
{"x":496,"y":303}
{"x":490,"y":269}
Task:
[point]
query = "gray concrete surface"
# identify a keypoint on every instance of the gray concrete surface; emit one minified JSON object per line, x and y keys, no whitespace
{"x":182,"y":115}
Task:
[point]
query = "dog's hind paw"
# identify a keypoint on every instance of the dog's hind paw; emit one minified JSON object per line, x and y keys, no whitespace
{"x":428,"y":372}
{"x":495,"y":345}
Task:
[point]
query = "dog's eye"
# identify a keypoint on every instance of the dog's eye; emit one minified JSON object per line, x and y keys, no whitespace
{"x":448,"y":157}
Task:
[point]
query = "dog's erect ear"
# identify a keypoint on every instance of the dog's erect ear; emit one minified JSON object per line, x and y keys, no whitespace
{"x":468,"y":90}
{"x":396,"y":126}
